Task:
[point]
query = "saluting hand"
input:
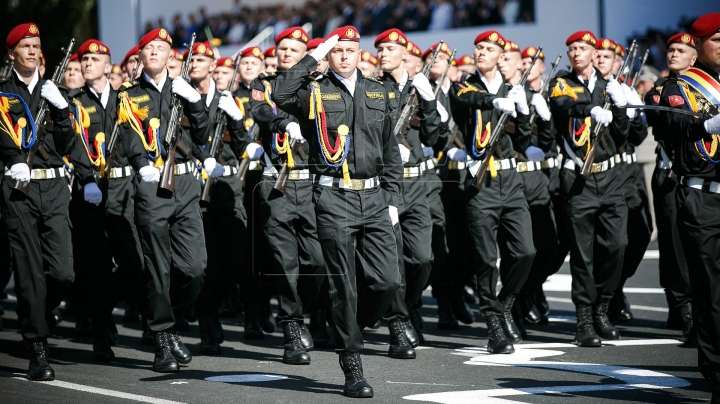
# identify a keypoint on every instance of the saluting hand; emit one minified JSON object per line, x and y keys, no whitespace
{"x":324,"y":48}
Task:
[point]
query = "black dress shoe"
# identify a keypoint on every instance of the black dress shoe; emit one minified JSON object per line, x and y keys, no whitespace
{"x":39,"y":368}
{"x":306,"y":338}
{"x":208,"y":343}
{"x":508,"y":324}
{"x":400,"y":348}
{"x":585,"y":335}
{"x":164,"y":361}
{"x":530,"y":311}
{"x":418,"y":324}
{"x":688,"y":334}
{"x":355,"y":384}
{"x":446,"y":318}
{"x":294,"y":353}
{"x":619,"y":308}
{"x":376,"y":325}
{"x":461,"y":310}
{"x":498,"y":342}
{"x":541,"y":302}
{"x":178,"y":350}
{"x":602,"y":324}
{"x":410,"y":333}
{"x":518,"y":319}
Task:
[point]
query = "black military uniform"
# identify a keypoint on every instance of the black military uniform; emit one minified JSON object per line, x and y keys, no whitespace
{"x":497,"y":214}
{"x":595,"y":207}
{"x":697,"y":205}
{"x":357,"y":174}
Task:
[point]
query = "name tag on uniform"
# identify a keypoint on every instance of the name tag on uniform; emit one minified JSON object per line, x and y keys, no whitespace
{"x":91,"y":110}
{"x":375,"y":94}
{"x":331,"y":97}
{"x":142,"y":98}
{"x":391,"y":95}
{"x":13,"y":101}
{"x":578,"y":90}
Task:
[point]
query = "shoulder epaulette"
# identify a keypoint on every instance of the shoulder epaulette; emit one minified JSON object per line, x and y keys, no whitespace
{"x":265,"y":75}
{"x":562,"y":88}
{"x":75,"y":92}
{"x":129,"y":84}
{"x":315,"y":76}
{"x":375,"y":79}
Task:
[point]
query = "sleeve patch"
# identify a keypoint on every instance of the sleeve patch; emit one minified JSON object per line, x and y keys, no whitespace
{"x":656,"y":99}
{"x":676,"y":100}
{"x":258,"y":95}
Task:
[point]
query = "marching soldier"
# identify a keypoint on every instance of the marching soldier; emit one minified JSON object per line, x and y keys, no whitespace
{"x":674,"y":277}
{"x":414,"y":212}
{"x":131,"y":59}
{"x":497,"y":214}
{"x":368,"y":63}
{"x":465,"y":64}
{"x":165,"y":224}
{"x":116,"y":78}
{"x":42,"y":258}
{"x":271,"y":60}
{"x":296,"y":269}
{"x":595,"y":207}
{"x":694,"y":140}
{"x":73,"y":77}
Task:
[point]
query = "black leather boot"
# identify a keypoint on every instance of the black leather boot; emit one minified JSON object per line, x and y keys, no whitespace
{"x":446,"y":318}
{"x":498,"y":342}
{"x":410,"y":334}
{"x":294,"y":353}
{"x":147,"y":338}
{"x":252,"y":324}
{"x":518,"y":318}
{"x":585,"y":335}
{"x":321,"y":335}
{"x":400,"y":348}
{"x":164,"y":360}
{"x":602,"y":324}
{"x":619,"y":308}
{"x":355,"y":384}
{"x":39,"y":368}
{"x":530,"y":311}
{"x":306,"y":338}
{"x":208,"y":343}
{"x":541,"y":302}
{"x":218,"y":330}
{"x":509,"y":327}
{"x":112,"y":330}
{"x":178,"y":350}
{"x":688,"y":334}
{"x":461,"y":310}
{"x":102,"y":351}
{"x":417,"y":323}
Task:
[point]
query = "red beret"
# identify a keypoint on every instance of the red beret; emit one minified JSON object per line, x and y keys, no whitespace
{"x":314,"y":43}
{"x":619,"y":49}
{"x":530,"y":51}
{"x":92,"y":46}
{"x":346,"y":33}
{"x":414,"y":50}
{"x":296,"y":33}
{"x":466,"y":60}
{"x":582,"y":36}
{"x":176,"y":54}
{"x":132,"y":52}
{"x":159,"y":34}
{"x":226,"y":61}
{"x":681,"y":37}
{"x":511,"y":46}
{"x":366,"y":56}
{"x":269,"y":52}
{"x":253,"y":51}
{"x":706,"y":25}
{"x":28,"y":30}
{"x":74,"y":57}
{"x":606,"y":44}
{"x":393,"y":35}
{"x":116,"y":69}
{"x":444,"y":49}
{"x":491,"y":36}
{"x":201,"y":49}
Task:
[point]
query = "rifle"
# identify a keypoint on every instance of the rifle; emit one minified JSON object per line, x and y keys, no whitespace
{"x":598,"y":132}
{"x":409,"y":106}
{"x":111,"y":146}
{"x":441,"y":81}
{"x":167,"y":182}
{"x":217,"y":139}
{"x":5,"y":72}
{"x":377,"y":70}
{"x":451,"y":124}
{"x":623,"y":77}
{"x":499,"y":129}
{"x":546,"y":87}
{"x":282,"y":179}
{"x":634,"y":82}
{"x":42,"y":119}
{"x":254,"y":134}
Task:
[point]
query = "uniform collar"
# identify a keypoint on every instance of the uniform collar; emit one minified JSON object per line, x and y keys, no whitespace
{"x":494,"y":85}
{"x":591,"y":82}
{"x":348,"y":83}
{"x":33,"y":82}
{"x":159,"y":85}
{"x":104,"y":96}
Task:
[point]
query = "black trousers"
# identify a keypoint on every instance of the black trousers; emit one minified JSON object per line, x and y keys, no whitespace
{"x":297,"y":270}
{"x":38,"y":228}
{"x":173,"y":243}
{"x":5,"y":257}
{"x":253,"y":292}
{"x":358,"y":244}
{"x":562,"y":224}
{"x":225,"y":224}
{"x":544,"y":229}
{"x":698,"y":223}
{"x":499,"y":218}
{"x":434,"y":186}
{"x":639,"y":222}
{"x":674,"y":274}
{"x":597,"y":215}
{"x":416,"y":227}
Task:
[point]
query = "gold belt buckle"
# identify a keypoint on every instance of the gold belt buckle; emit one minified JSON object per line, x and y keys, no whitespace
{"x":357,"y":185}
{"x":498,"y":165}
{"x":452,"y":165}
{"x":294,"y":175}
{"x":522,"y":166}
{"x":406,"y":172}
{"x":40,"y":174}
{"x":176,"y":169}
{"x":597,"y":167}
{"x":544,"y":164}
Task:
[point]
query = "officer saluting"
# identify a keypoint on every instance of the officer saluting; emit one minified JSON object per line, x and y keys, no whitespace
{"x":695,"y":140}
{"x":357,"y":175}
{"x":43,"y":260}
{"x":166,"y":225}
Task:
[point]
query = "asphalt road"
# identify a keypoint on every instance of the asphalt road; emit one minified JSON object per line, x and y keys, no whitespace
{"x":647,"y":365}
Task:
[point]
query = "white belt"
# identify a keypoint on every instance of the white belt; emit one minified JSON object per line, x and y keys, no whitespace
{"x":181,"y":169}
{"x":551,"y":162}
{"x":629,"y":158}
{"x":528,"y":166}
{"x":428,"y":164}
{"x":293,"y":175}
{"x":665,"y":163}
{"x":229,"y":171}
{"x":355,"y":185}
{"x":698,"y":183}
{"x":596,"y":167}
{"x":500,"y":165}
{"x":44,"y":173}
{"x":120,"y":172}
{"x":456,"y":165}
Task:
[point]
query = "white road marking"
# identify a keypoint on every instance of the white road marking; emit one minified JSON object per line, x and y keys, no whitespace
{"x":94,"y":390}
{"x":179,"y":383}
{"x":425,"y":384}
{"x":251,"y":378}
{"x":649,"y":255}
{"x":632,"y":306}
{"x":563,"y":283}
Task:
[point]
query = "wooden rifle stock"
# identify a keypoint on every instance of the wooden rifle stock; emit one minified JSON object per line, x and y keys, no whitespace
{"x":282,"y":179}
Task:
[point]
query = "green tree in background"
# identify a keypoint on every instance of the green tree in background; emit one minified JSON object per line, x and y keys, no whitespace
{"x":58,"y":20}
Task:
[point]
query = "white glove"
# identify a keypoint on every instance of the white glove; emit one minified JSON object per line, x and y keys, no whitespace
{"x":293,"y":129}
{"x":541,"y":107}
{"x":212,"y":168}
{"x":712,"y":126}
{"x":506,"y":105}
{"x":601,"y":116}
{"x":517,"y":94}
{"x":185,"y":90}
{"x":394,"y":219}
{"x":443,"y":113}
{"x":423,"y":87}
{"x":616,"y":93}
{"x":227,"y":104}
{"x":254,"y":151}
{"x":428,"y":151}
{"x":456,"y":154}
{"x":404,"y":153}
{"x":50,"y":92}
{"x":324,"y":48}
{"x":92,"y":194}
{"x":20,"y":172}
{"x":633,"y":98}
{"x":150,"y":174}
{"x":534,"y":153}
